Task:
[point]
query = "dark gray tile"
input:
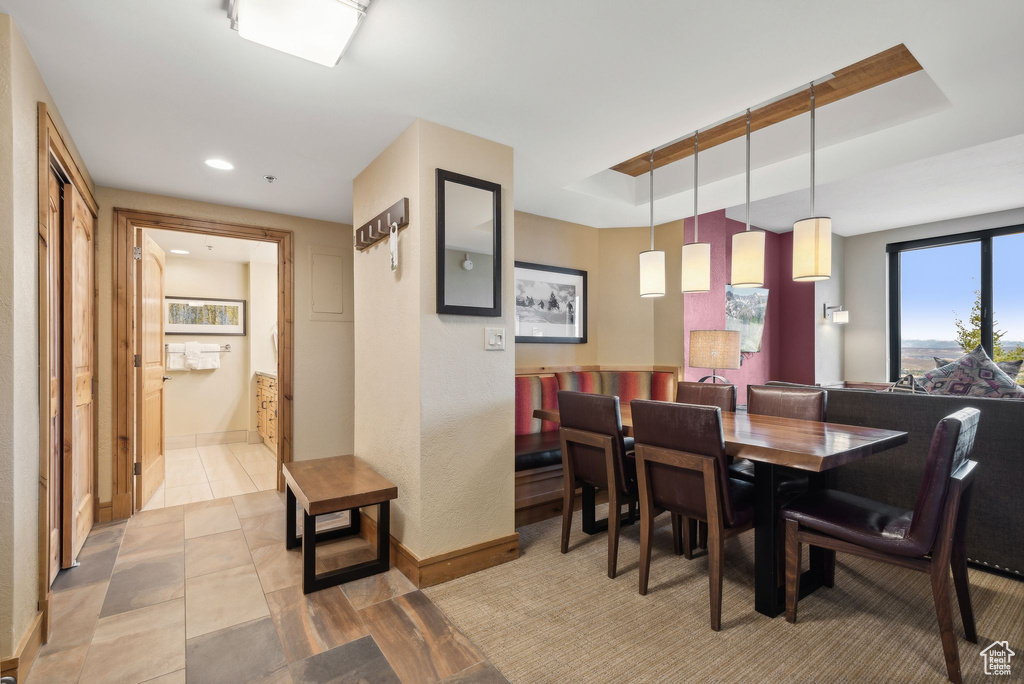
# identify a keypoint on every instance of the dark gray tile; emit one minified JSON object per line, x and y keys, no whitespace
{"x":95,"y":565}
{"x":481,"y":673}
{"x":357,"y":661}
{"x":105,"y":534}
{"x":249,"y":652}
{"x":136,"y":584}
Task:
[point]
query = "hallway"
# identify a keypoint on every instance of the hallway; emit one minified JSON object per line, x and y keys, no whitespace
{"x":213,"y":472}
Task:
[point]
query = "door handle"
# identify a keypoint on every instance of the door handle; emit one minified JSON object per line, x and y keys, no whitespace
{"x":168,"y":377}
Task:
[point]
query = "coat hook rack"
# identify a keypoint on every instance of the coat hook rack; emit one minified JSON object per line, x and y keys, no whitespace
{"x":379,"y":226}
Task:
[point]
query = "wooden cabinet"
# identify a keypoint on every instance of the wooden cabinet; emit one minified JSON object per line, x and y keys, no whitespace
{"x":266,"y":408}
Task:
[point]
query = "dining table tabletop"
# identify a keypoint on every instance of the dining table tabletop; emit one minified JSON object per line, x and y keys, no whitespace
{"x":777,"y":446}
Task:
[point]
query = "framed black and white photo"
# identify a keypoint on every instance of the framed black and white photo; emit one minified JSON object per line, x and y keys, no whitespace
{"x":203,"y":316}
{"x":551,"y":304}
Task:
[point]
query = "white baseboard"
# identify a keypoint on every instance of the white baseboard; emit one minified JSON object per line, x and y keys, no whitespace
{"x":254,"y":437}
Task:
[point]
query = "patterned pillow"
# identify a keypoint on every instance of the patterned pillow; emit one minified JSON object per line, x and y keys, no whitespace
{"x":973,"y":375}
{"x":1011,"y":368}
{"x":907,"y":384}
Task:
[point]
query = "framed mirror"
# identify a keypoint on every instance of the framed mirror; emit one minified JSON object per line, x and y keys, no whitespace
{"x":468,"y":245}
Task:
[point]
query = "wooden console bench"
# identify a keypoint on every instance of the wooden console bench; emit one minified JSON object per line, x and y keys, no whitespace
{"x":333,"y":485}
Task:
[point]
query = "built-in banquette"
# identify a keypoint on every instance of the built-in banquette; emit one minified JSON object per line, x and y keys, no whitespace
{"x":538,"y":450}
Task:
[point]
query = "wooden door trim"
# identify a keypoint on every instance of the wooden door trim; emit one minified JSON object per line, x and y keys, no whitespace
{"x":125,"y":223}
{"x":52,"y":149}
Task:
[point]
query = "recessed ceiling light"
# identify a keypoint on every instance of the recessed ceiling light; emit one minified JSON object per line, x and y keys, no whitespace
{"x":317,"y":30}
{"x":220,"y":164}
{"x":179,"y":251}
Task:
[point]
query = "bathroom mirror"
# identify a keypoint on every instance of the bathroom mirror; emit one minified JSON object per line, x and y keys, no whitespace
{"x":468,"y":245}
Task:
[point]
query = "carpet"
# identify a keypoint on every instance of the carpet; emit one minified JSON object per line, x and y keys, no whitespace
{"x":548,"y":617}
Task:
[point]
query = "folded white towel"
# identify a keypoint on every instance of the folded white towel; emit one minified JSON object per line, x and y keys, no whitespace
{"x":175,"y":361}
{"x":210,"y":357}
{"x":176,"y":348}
{"x":193,"y":355}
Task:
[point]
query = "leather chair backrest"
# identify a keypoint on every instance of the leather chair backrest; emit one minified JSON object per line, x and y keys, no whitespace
{"x":799,"y":403}
{"x":593,"y":413}
{"x":951,"y":444}
{"x":690,"y":428}
{"x":707,"y":394}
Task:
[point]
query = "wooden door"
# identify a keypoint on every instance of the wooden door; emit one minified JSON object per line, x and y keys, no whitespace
{"x":53,"y":386}
{"x":150,"y":341}
{"x":79,"y":374}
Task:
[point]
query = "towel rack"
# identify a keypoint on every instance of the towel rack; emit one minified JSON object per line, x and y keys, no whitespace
{"x":223,"y":348}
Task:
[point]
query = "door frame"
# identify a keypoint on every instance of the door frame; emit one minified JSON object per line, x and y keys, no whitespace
{"x":53,"y":151}
{"x":126,"y":222}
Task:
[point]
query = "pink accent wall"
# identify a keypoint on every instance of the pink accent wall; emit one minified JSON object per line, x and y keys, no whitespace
{"x":787,"y":345}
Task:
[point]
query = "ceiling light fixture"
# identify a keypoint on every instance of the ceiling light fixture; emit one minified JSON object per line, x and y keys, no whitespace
{"x":220,"y":164}
{"x":696,"y":256}
{"x":812,"y":237}
{"x":315,"y":30}
{"x":179,"y":251}
{"x":652,"y":261}
{"x":748,"y":246}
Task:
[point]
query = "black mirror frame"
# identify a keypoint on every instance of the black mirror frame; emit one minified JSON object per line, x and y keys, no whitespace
{"x":495,"y":190}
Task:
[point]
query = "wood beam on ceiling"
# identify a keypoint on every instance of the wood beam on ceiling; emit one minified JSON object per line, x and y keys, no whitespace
{"x":883,"y":67}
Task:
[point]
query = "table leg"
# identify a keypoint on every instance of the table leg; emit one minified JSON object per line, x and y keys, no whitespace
{"x":313,"y":581}
{"x":589,"y":509}
{"x":309,"y":583}
{"x":291,"y":541}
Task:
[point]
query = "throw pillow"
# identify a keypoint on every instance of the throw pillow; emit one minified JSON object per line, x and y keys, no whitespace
{"x":973,"y":375}
{"x":908,"y":384}
{"x":1011,"y":368}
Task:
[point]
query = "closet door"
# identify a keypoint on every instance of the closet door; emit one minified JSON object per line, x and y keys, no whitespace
{"x":79,"y":374}
{"x":55,"y":455}
{"x":150,"y":452}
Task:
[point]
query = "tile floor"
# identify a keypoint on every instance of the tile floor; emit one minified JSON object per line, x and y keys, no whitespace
{"x":206,"y":592}
{"x":212,"y":472}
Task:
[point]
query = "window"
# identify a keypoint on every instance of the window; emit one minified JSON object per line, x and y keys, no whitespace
{"x":949,"y":294}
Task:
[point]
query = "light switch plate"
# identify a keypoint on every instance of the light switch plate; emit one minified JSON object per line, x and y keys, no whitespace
{"x":494,"y":339}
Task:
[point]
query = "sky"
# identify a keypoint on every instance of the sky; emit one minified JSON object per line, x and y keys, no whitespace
{"x":939,"y":281}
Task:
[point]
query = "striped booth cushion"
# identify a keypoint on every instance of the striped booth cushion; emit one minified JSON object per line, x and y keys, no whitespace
{"x":626,"y":385}
{"x":663,"y":386}
{"x":583,"y":381}
{"x":534,"y":392}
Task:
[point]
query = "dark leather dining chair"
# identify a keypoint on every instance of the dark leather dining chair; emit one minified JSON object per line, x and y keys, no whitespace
{"x":707,"y":394}
{"x":929,"y":538}
{"x":682,"y":467}
{"x":798,"y":403}
{"x":594,"y":454}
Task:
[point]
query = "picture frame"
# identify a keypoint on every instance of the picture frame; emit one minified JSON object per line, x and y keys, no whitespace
{"x":550,"y":304}
{"x":746,"y":310}
{"x":204,"y":316}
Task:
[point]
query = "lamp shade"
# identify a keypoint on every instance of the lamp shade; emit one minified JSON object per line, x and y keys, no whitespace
{"x":748,"y":259}
{"x":652,"y":273}
{"x":841,"y":317}
{"x":696,"y":267}
{"x":714,"y":349}
{"x":812,"y":249}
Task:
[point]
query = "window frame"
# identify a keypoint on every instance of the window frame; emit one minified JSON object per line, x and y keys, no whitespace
{"x":895,"y":249}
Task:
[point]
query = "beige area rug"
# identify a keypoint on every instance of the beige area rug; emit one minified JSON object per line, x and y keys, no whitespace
{"x":548,"y":617}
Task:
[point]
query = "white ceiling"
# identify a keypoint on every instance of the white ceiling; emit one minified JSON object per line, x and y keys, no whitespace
{"x":151,"y":89}
{"x":213,"y":247}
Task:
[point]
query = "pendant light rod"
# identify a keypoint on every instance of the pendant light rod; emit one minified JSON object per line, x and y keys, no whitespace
{"x":748,"y":169}
{"x":696,"y":149}
{"x":812,"y":148}
{"x":652,"y":199}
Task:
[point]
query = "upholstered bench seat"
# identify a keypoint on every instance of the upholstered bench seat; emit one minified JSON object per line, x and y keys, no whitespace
{"x":538,"y":449}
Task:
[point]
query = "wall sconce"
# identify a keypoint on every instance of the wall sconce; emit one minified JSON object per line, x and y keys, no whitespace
{"x":839,"y":315}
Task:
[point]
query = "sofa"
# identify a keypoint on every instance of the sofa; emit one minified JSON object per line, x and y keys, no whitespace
{"x":995,"y":528}
{"x":538,"y":449}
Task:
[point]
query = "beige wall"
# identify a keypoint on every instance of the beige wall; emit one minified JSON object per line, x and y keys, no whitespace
{"x":626,"y":327}
{"x":866,"y":288}
{"x":323,"y":349}
{"x":669,"y":331}
{"x":435,"y":411}
{"x":216,"y":400}
{"x":829,"y":337}
{"x":21,"y":88}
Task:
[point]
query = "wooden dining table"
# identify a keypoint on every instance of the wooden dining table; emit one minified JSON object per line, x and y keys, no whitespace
{"x":776,"y":446}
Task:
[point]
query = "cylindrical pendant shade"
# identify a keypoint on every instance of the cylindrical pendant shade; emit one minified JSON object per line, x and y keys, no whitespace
{"x":748,"y":259}
{"x":812,"y":249}
{"x":652,"y":273}
{"x":714,"y":349}
{"x":696,"y":267}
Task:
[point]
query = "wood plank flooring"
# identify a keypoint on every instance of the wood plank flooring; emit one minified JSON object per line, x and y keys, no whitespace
{"x":206,"y":592}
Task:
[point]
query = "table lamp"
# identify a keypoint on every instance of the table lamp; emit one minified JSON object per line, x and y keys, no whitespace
{"x":714,"y":349}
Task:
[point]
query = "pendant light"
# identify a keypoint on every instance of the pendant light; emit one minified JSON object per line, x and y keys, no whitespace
{"x":748,"y":246}
{"x":652,"y":261}
{"x":812,"y":237}
{"x":696,"y":256}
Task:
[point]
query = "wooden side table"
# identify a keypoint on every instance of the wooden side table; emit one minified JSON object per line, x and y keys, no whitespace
{"x":333,"y":485}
